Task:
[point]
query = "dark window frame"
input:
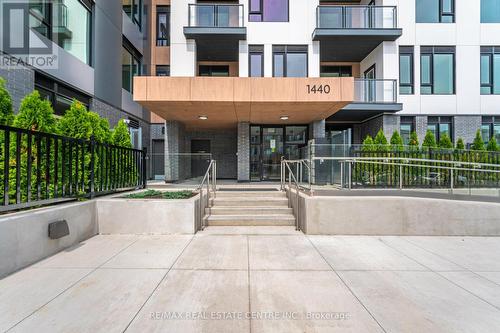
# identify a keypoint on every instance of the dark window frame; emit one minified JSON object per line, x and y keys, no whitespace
{"x":491,"y":122}
{"x":162,"y":41}
{"x":407,"y":51}
{"x":290,"y":49}
{"x":497,"y":19}
{"x":255,"y":50}
{"x":407,"y":120}
{"x":136,"y":55}
{"x":439,"y":121}
{"x":55,"y":88}
{"x":490,"y":52}
{"x":431,"y":51}
{"x":162,"y":67}
{"x":441,"y":12}
{"x":340,"y":70}
{"x":133,"y":13}
{"x":261,"y":13}
{"x":210,"y":70}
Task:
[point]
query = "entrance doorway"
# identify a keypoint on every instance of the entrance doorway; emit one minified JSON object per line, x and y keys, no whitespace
{"x":200,"y":163}
{"x":269,"y":143}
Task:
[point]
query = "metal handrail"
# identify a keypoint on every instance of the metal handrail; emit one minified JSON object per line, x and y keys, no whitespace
{"x":210,"y":180}
{"x":291,"y":179}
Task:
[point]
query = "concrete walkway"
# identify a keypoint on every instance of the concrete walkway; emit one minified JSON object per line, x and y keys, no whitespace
{"x":230,"y":279}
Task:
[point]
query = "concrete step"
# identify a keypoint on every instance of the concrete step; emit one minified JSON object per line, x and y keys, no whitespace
{"x":250,"y":202}
{"x":248,"y":220}
{"x":281,"y":210}
{"x":250,"y":194}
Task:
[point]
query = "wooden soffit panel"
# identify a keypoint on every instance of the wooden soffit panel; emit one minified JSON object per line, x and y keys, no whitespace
{"x":229,"y":100}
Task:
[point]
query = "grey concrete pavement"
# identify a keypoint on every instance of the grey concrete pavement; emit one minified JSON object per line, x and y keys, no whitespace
{"x":259,"y":280}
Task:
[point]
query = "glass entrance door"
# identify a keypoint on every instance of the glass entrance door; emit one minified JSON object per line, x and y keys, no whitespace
{"x":272,"y":151}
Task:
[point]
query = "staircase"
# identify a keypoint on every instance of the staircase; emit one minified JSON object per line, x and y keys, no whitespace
{"x":250,"y":208}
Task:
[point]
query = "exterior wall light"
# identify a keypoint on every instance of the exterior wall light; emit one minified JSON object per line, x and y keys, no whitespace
{"x":284,"y":117}
{"x":203,"y":117}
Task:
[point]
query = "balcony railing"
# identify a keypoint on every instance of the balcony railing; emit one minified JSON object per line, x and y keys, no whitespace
{"x":216,"y":16}
{"x":375,"y":91}
{"x":356,"y":17}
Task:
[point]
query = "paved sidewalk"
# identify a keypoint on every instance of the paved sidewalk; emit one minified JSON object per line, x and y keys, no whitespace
{"x":259,"y":280}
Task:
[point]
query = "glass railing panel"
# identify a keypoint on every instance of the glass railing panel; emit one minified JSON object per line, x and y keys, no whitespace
{"x":374,"y":91}
{"x":220,"y":16}
{"x":356,"y":17}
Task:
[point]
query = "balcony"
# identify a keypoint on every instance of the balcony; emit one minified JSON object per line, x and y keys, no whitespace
{"x":371,"y":98}
{"x":224,"y":22}
{"x":350,"y":33}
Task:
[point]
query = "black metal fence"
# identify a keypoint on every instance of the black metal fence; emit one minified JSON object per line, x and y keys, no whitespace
{"x":39,"y":168}
{"x":427,"y":174}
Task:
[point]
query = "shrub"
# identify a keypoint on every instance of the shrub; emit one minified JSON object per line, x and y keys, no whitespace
{"x":380,"y":138}
{"x":414,"y":139}
{"x":429,"y":140}
{"x":36,"y":114}
{"x":121,"y":135}
{"x":6,"y":113}
{"x":368,"y":144}
{"x":100,"y":128}
{"x":396,"y":140}
{"x":492,"y":145}
{"x":445,"y":142}
{"x":460,"y":144}
{"x":478,"y":143}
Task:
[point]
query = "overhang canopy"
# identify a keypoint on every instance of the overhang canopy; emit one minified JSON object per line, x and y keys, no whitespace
{"x":229,"y":100}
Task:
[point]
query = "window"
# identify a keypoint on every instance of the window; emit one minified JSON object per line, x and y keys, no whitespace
{"x":437,"y":66}
{"x":435,"y":11}
{"x":290,"y":60}
{"x":440,"y":126}
{"x":490,"y":70}
{"x":406,"y":70}
{"x":407,"y":126}
{"x":58,"y":94}
{"x":256,"y":60}
{"x":268,"y":11}
{"x":131,"y":66}
{"x":490,"y":127}
{"x":490,"y":11}
{"x":67,"y":24}
{"x":133,"y":8}
{"x":162,"y":25}
{"x":162,"y":70}
{"x":213,"y":70}
{"x":336,"y":71}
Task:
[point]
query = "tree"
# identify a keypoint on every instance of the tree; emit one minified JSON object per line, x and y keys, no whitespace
{"x":6,"y":112}
{"x":429,"y":140}
{"x":478,"y":143}
{"x":121,"y":135}
{"x":99,"y":128}
{"x":397,"y":140}
{"x":75,"y":123}
{"x":414,"y":139}
{"x":460,"y":144}
{"x":380,"y":138}
{"x":445,"y":142}
{"x":368,"y":144}
{"x":35,"y":114}
{"x":492,"y":144}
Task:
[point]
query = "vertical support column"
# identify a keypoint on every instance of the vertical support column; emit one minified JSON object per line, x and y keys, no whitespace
{"x":174,"y":145}
{"x":243,"y":152}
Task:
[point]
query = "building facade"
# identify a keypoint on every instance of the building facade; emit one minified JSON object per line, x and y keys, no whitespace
{"x":100,"y":46}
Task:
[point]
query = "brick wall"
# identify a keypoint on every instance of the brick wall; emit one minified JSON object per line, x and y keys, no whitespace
{"x":20,"y":81}
{"x":465,"y":127}
{"x":243,"y":152}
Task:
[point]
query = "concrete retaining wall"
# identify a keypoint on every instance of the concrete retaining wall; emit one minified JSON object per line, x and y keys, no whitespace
{"x":364,"y":215}
{"x":136,"y":216}
{"x":24,"y":236}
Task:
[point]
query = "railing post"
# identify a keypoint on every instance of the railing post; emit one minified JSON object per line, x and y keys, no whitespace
{"x":92,"y":165}
{"x":350,"y":175}
{"x":400,"y":177}
{"x":144,"y":168}
{"x":6,"y":152}
{"x":451,"y":179}
{"x":342,"y":163}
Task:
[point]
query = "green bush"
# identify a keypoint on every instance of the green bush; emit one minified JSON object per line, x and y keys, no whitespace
{"x":478,"y":143}
{"x":121,"y":135}
{"x":397,"y":140}
{"x":36,"y":114}
{"x":445,"y":142}
{"x":368,"y":144}
{"x":492,"y":145}
{"x":429,"y":140}
{"x":6,"y":112}
{"x":460,"y":144}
